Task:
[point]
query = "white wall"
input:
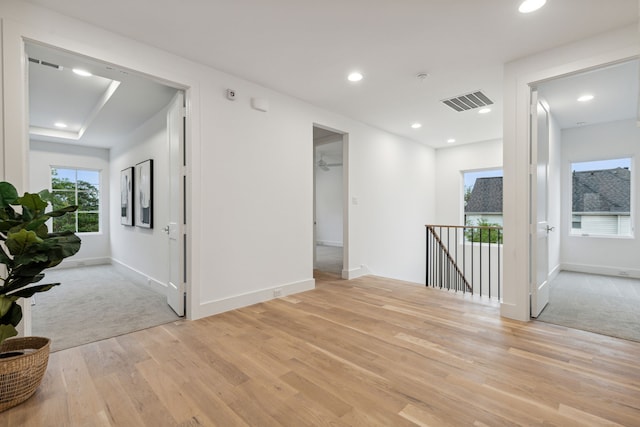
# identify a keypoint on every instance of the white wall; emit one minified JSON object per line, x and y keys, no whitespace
{"x":144,"y":251}
{"x":604,"y":255}
{"x":250,"y":173}
{"x":614,"y":46}
{"x":44,"y":155}
{"x":392,"y":188}
{"x":329,"y":198}
{"x":450,"y":165}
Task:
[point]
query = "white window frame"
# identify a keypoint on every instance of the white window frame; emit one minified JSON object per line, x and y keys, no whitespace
{"x":632,"y":202}
{"x":98,"y":211}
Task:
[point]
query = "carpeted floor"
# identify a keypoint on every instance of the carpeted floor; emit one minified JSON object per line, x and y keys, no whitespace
{"x":602,"y":304}
{"x":95,"y":303}
{"x":329,"y":259}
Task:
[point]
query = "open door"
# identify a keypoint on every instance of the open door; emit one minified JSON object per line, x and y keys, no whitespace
{"x":175,"y":228}
{"x":539,"y":227}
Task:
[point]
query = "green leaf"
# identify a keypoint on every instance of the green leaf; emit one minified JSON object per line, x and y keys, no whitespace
{"x":30,"y":291}
{"x":62,"y":211}
{"x":4,"y":258}
{"x":13,"y":316}
{"x":18,"y":243}
{"x":33,"y":202}
{"x":5,"y":305}
{"x":8,"y":194}
{"x":7,"y":331}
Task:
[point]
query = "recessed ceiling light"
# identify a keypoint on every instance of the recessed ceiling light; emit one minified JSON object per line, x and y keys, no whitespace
{"x":585,"y":98}
{"x":528,"y":6}
{"x":81,"y":72}
{"x":450,"y":141}
{"x":355,"y":76}
{"x":484,"y":110}
{"x":416,"y":125}
{"x":60,"y":125}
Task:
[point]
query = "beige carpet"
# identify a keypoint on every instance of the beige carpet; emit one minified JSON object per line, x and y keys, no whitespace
{"x":95,"y":303}
{"x":602,"y":304}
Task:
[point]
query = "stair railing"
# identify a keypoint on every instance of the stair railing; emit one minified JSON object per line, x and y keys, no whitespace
{"x":464,"y":259}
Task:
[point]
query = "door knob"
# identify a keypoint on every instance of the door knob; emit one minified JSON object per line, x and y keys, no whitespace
{"x":166,"y":229}
{"x":550,"y":228}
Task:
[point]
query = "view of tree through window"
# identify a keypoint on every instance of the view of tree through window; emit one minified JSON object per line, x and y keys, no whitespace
{"x":76,"y":187}
{"x":601,"y":198}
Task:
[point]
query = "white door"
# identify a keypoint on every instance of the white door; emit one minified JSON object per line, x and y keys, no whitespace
{"x":539,"y":227}
{"x":175,"y":228}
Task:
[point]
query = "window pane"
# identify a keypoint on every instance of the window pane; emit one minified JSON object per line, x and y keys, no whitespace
{"x":63,"y":199}
{"x":88,"y":222}
{"x":65,"y":223}
{"x":63,"y":178}
{"x":601,"y":197}
{"x":88,"y":177}
{"x":88,"y":200}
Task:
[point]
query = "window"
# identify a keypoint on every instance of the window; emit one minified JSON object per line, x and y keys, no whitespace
{"x":601,"y":198}
{"x":76,"y":187}
{"x":483,"y":205}
{"x":483,"y":197}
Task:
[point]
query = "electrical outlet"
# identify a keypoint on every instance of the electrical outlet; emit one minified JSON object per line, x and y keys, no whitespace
{"x":277,"y":292}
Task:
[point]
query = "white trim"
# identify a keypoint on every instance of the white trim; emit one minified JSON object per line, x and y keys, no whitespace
{"x":602,"y":270}
{"x":210,"y":308}
{"x":329,"y":243}
{"x":139,"y":277}
{"x":82,"y":262}
{"x":354,"y":273}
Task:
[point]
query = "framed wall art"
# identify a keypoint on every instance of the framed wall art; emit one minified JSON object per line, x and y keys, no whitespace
{"x":143,"y":203}
{"x":126,"y":196}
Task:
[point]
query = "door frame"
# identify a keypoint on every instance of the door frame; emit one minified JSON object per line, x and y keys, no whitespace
{"x":519,"y":78}
{"x":15,"y":137}
{"x":345,"y":197}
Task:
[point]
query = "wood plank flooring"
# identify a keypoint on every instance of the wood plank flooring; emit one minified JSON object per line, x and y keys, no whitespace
{"x":366,"y":352}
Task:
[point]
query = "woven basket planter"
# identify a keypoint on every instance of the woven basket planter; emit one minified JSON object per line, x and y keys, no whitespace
{"x":20,"y":375}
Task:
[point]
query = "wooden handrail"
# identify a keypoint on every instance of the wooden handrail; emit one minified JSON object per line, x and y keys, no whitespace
{"x":486,"y":227}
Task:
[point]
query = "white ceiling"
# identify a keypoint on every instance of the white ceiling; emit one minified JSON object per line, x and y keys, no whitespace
{"x":306,"y":49}
{"x":614,"y":88}
{"x":57,"y":94}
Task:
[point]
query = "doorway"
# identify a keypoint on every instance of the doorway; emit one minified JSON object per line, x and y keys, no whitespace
{"x":88,"y":115}
{"x":593,"y":151}
{"x":329,"y":212}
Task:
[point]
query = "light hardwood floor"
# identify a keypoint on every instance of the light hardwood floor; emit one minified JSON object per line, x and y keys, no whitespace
{"x":366,"y":352}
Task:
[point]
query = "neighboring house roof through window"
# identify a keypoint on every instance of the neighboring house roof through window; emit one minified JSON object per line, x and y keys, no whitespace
{"x":606,"y":190}
{"x":486,"y":196}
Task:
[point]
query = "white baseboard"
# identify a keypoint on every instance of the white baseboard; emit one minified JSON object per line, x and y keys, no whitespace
{"x":512,"y":311}
{"x":210,"y":308}
{"x":354,"y":273}
{"x":83,"y":262}
{"x":554,"y":272}
{"x":329,"y":243}
{"x":139,"y":277}
{"x":603,"y":270}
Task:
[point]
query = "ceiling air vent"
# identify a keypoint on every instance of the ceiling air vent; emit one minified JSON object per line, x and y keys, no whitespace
{"x":45,"y":63}
{"x":469,"y":101}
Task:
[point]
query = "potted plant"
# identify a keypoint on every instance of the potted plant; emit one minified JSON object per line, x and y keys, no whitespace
{"x":26,"y":250}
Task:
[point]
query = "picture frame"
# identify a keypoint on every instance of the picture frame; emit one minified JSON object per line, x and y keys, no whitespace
{"x":143,"y":204}
{"x":126,"y":196}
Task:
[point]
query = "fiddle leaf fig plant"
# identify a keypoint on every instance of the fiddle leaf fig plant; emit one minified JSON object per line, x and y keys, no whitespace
{"x":27,"y":249}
